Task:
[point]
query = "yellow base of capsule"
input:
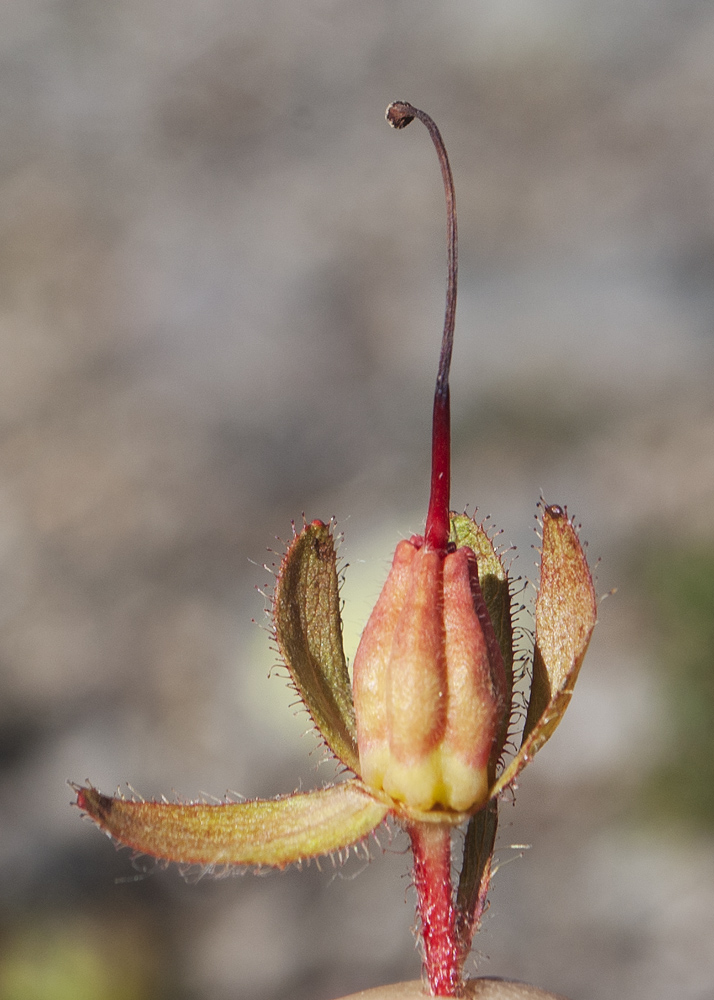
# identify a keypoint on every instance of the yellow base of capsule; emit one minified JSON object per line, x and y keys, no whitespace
{"x":440,"y":779}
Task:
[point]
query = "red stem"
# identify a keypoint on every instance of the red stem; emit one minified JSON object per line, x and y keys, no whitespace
{"x":431,"y":845}
{"x":438,"y":524}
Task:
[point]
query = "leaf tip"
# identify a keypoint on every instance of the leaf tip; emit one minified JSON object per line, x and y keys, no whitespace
{"x":91,"y":801}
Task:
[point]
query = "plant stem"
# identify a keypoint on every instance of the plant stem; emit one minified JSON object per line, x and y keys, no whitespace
{"x":431,"y":845}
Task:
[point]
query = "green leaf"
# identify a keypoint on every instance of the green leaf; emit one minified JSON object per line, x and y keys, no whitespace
{"x":274,"y":832}
{"x":566,"y":611}
{"x":308,"y":630}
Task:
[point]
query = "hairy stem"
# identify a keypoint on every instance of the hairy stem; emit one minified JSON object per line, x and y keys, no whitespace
{"x":431,"y":845}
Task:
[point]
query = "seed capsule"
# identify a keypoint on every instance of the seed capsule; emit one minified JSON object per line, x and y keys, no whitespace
{"x":429,"y":683}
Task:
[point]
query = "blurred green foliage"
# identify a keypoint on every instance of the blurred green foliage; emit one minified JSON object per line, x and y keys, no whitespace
{"x":679,"y":585}
{"x":75,"y":960}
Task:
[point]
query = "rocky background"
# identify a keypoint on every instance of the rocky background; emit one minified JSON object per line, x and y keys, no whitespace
{"x":221,"y":296}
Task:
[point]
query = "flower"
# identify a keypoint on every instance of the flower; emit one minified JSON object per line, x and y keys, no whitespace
{"x":423,"y":725}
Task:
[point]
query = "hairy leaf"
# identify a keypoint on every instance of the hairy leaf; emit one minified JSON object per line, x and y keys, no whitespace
{"x":308,"y":629}
{"x":274,"y":832}
{"x":566,"y":611}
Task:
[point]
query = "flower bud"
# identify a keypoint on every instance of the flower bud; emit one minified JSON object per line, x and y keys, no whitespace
{"x":429,"y":684}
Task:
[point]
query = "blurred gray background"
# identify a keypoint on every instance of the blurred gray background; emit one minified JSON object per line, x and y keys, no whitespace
{"x":221,"y":293}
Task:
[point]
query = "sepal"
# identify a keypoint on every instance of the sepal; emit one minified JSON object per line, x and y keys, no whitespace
{"x":475,"y":878}
{"x":566,"y":612}
{"x":495,"y":588}
{"x":308,"y":630}
{"x":274,"y":832}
